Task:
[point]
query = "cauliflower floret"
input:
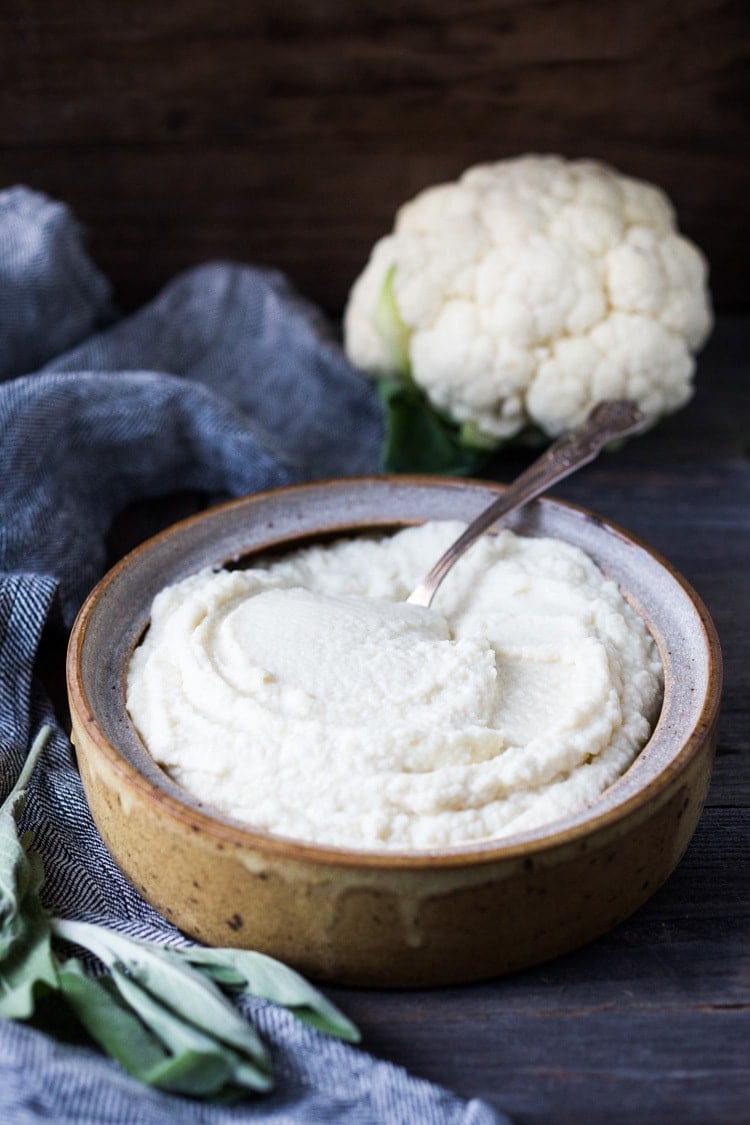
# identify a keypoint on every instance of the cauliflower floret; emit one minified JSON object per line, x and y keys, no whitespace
{"x":529,"y":290}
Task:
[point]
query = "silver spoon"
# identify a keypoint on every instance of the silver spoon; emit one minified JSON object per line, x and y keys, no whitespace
{"x":606,"y":422}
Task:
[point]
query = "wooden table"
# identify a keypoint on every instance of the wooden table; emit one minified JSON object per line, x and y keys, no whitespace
{"x":650,"y":1023}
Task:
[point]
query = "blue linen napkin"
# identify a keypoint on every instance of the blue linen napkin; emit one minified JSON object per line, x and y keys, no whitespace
{"x":227,"y":382}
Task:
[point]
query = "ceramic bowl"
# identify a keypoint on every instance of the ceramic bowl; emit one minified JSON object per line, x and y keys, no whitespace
{"x":407,"y":918}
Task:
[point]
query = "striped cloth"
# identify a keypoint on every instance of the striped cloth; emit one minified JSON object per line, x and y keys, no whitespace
{"x":227,"y":382}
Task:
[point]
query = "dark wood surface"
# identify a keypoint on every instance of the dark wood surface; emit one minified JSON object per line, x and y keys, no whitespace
{"x":288,"y":133}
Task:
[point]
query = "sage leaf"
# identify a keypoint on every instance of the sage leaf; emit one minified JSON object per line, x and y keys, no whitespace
{"x":28,"y":968}
{"x":27,"y":964}
{"x":184,"y":1009}
{"x":109,"y":1021}
{"x":113,"y":1024}
{"x":17,"y":873}
{"x":198,"y":1076}
{"x":171,"y":981}
{"x":182,"y":1037}
{"x":260,"y":975}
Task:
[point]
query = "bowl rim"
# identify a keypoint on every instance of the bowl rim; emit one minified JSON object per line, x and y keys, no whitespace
{"x":200,"y":818}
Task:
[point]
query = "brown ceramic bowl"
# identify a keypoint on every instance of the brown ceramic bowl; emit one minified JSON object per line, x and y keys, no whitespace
{"x":415,"y":918}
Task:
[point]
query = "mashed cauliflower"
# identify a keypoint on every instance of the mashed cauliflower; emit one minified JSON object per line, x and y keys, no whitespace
{"x":306,"y":698}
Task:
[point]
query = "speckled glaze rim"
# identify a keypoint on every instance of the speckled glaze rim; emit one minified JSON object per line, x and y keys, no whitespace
{"x":619,"y":802}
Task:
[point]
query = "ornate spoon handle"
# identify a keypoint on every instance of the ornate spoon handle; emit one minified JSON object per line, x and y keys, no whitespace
{"x":606,"y":422}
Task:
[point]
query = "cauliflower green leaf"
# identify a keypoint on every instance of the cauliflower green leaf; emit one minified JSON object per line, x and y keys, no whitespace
{"x":420,"y":440}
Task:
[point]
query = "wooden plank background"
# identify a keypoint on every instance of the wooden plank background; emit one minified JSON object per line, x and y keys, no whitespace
{"x":288,"y":133}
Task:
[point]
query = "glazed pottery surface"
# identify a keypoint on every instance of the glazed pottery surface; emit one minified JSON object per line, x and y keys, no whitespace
{"x":388,"y":919}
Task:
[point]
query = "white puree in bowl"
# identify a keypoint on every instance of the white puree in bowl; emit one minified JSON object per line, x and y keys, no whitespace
{"x":306,"y":698}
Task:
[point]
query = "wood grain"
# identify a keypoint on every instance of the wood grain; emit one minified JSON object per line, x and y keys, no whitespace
{"x":288,"y":134}
{"x":649,"y":1023}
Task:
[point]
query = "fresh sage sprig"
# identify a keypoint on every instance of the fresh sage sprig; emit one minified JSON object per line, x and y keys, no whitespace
{"x":192,"y":1030}
{"x":243,"y":970}
{"x":27,"y":964}
{"x":160,"y":1012}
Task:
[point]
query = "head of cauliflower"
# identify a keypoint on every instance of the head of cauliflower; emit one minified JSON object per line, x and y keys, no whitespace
{"x":529,"y":290}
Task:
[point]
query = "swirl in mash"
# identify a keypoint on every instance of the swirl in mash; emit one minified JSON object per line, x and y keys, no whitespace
{"x":306,"y":698}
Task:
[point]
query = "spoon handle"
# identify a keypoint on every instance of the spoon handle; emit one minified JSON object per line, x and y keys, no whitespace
{"x":606,"y":422}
